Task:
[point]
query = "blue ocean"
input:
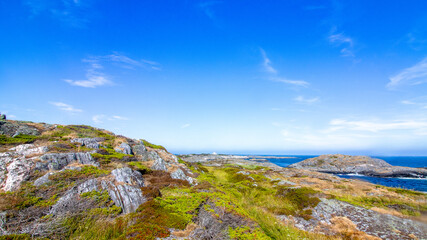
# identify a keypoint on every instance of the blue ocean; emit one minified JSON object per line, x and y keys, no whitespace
{"x":408,"y":161}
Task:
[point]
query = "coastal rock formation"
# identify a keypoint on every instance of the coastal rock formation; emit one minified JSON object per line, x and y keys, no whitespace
{"x":383,"y":226}
{"x":345,"y":164}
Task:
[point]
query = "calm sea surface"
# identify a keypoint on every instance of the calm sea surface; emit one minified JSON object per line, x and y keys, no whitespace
{"x":415,"y":184}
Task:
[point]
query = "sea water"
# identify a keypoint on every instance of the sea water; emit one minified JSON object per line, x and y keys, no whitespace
{"x":405,"y":161}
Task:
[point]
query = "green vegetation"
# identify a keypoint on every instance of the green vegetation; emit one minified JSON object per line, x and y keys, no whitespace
{"x":139,"y":166}
{"x":246,"y":233}
{"x":154,"y":146}
{"x":406,"y":192}
{"x":405,"y":207}
{"x":82,"y":131}
{"x":107,"y":155}
{"x":86,"y":171}
{"x":20,"y":139}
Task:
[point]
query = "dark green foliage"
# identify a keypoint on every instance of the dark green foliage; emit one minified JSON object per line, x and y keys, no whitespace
{"x":106,"y":155}
{"x":154,"y":146}
{"x":301,"y":197}
{"x":20,"y":139}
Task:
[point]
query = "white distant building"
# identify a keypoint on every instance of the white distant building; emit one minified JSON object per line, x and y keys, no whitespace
{"x":214,"y":153}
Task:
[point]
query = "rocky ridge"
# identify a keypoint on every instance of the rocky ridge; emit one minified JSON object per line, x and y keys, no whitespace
{"x":79,"y":182}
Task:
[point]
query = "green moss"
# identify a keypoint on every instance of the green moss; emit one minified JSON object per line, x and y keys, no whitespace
{"x":48,"y":202}
{"x":154,"y":146}
{"x":247,"y":233}
{"x":85,"y":172}
{"x":109,"y":155}
{"x":98,"y":197}
{"x":139,"y":166}
{"x":406,"y":192}
{"x":20,"y":139}
{"x":407,"y":208}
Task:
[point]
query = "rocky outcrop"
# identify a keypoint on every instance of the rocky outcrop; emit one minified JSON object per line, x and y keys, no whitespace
{"x":124,"y":148}
{"x":179,"y":174}
{"x":345,"y":164}
{"x":123,"y":187}
{"x":57,"y":161}
{"x":159,"y":164}
{"x":13,"y":129}
{"x":373,"y":223}
{"x":15,"y":165}
{"x":88,"y":142}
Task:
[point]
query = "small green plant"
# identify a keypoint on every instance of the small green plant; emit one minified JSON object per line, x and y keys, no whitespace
{"x":154,"y":146}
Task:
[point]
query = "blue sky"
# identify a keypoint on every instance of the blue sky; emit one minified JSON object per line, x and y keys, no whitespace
{"x":278,"y":77}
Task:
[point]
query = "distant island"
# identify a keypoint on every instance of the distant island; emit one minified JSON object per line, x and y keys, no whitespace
{"x":364,"y":165}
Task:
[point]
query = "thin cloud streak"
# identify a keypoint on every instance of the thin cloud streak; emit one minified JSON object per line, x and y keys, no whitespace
{"x":299,"y":83}
{"x":267,"y":67}
{"x":267,"y":63}
{"x":346,"y":43}
{"x":304,"y":100}
{"x":185,"y":125}
{"x":414,"y":75}
{"x":377,"y":126}
{"x":96,"y":78}
{"x":65,"y":107}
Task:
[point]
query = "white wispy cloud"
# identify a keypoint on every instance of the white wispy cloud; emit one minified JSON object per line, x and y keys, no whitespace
{"x":98,"y":118}
{"x":186,"y":125}
{"x":377,"y":126}
{"x":267,"y":63}
{"x":273,"y":73}
{"x":344,"y":42}
{"x":420,"y":102}
{"x":120,"y":118}
{"x":95,"y":76}
{"x":207,"y":8}
{"x":66,"y":107}
{"x":299,"y":83}
{"x":414,"y":75}
{"x":304,"y":100}
{"x":101,"y":118}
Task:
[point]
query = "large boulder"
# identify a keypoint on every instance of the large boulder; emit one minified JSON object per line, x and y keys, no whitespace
{"x":179,"y":174}
{"x":123,"y":187}
{"x":159,"y":164}
{"x":124,"y":148}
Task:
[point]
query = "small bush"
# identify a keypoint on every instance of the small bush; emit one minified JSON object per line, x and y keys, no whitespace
{"x":154,"y":146}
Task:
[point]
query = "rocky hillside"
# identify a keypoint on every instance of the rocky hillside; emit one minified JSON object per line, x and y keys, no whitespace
{"x":345,"y":164}
{"x":79,"y":182}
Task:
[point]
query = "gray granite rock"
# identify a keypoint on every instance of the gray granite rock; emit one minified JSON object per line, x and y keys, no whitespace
{"x":373,"y":223}
{"x":139,"y":150}
{"x":124,"y":148}
{"x":12,"y":129}
{"x":57,"y":161}
{"x":179,"y":174}
{"x":159,"y":164}
{"x":43,"y":180}
{"x":128,"y":176}
{"x":124,"y":190}
{"x":88,"y":142}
